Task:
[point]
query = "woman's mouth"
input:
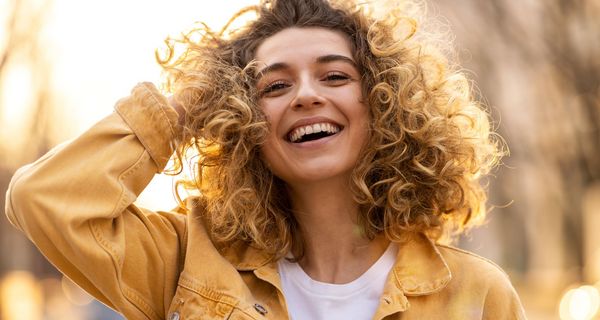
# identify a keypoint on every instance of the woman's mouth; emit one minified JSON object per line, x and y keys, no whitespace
{"x":313,"y":132}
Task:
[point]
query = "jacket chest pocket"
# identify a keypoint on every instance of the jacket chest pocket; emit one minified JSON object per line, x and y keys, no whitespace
{"x":190,"y":305}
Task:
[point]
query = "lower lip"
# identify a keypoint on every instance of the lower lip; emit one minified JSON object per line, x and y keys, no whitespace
{"x":316,"y":143}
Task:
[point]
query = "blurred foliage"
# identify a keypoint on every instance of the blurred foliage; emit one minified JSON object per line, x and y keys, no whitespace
{"x":536,"y":64}
{"x":23,"y":47}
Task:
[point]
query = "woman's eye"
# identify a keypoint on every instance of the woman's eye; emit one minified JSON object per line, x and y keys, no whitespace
{"x":275,"y":86}
{"x":336,"y":77}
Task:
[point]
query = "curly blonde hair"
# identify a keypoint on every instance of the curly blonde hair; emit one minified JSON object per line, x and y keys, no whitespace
{"x":430,"y":141}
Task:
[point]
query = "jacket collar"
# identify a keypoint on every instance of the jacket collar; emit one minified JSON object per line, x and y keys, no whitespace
{"x":420,"y":269}
{"x":245,"y":257}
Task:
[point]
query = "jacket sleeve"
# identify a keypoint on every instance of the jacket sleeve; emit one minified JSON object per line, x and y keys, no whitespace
{"x":76,"y":205}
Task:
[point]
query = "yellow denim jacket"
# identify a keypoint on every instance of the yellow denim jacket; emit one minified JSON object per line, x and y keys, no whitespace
{"x":76,"y":205}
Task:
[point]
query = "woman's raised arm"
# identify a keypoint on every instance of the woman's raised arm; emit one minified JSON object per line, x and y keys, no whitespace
{"x":76,"y":205}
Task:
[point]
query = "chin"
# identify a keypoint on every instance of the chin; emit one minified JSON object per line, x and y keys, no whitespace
{"x":317,"y":175}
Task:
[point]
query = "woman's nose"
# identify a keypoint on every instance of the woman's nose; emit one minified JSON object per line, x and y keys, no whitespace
{"x":307,"y":94}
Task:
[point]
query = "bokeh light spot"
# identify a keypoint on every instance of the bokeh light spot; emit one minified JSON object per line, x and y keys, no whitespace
{"x":580,"y":304}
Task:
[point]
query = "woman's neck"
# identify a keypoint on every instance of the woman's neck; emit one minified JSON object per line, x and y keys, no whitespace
{"x":335,"y":248}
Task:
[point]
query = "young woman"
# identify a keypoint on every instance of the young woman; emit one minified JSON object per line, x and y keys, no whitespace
{"x":335,"y":150}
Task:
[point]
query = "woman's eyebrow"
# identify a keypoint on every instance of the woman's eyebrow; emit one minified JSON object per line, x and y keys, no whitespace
{"x":336,"y":57}
{"x":271,"y":68}
{"x":320,"y":60}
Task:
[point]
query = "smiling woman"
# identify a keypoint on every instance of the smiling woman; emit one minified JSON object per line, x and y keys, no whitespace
{"x":335,"y":148}
{"x":314,"y":89}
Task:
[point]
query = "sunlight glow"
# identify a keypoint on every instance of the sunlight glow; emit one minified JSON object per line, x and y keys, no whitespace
{"x":56,"y":304}
{"x":160,"y":193}
{"x":580,"y":304}
{"x":102,"y":49}
{"x":16,"y":97}
{"x":20,"y":297}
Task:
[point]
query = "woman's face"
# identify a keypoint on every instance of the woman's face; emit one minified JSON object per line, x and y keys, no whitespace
{"x":310,"y":91}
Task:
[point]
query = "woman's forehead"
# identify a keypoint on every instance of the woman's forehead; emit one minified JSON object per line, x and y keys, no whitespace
{"x":295,"y":43}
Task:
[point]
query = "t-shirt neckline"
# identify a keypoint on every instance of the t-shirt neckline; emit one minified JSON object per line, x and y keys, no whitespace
{"x":380,"y":268}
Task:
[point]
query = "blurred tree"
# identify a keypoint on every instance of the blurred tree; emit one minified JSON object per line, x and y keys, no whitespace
{"x":23,"y":46}
{"x":537,"y":64}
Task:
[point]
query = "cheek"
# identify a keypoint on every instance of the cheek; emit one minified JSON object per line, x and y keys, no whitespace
{"x":273,"y":113}
{"x":267,"y":150}
{"x":269,"y":154}
{"x":270,"y":151}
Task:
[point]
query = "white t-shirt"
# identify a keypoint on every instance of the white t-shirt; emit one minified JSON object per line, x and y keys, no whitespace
{"x":308,"y":299}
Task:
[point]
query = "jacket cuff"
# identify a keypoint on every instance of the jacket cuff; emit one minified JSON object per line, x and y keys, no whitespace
{"x":154,"y":122}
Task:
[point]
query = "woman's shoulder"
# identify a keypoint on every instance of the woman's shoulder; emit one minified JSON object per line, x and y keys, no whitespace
{"x":474,"y":271}
{"x":480,"y":277}
{"x":456,"y":257}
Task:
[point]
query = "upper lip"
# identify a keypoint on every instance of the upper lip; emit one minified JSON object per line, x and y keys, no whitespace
{"x":309,"y":121}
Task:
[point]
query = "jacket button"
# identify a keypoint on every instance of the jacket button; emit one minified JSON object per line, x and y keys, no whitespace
{"x":260,"y":309}
{"x":174,"y":316}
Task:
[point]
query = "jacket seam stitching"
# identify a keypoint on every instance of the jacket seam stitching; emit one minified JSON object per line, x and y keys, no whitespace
{"x":200,"y":290}
{"x":162,"y":106}
{"x":139,"y":138}
{"x":187,"y":283}
{"x":125,"y":290}
{"x":446,"y":279}
{"x":132,"y":295}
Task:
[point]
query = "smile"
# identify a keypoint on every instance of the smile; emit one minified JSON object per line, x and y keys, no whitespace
{"x":313,"y":132}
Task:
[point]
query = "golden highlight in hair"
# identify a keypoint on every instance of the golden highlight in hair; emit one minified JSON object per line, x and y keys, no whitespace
{"x":430,"y":142}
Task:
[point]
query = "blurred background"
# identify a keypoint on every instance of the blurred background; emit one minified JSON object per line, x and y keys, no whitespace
{"x":536,"y":63}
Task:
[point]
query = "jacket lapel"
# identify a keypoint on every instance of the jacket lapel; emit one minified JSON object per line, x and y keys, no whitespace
{"x":419,"y":270}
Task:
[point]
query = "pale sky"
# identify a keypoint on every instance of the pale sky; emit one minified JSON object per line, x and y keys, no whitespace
{"x":103,"y":48}
{"x":98,"y":51}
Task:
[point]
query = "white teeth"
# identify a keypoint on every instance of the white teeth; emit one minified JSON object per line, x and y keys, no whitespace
{"x":298,"y":133}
